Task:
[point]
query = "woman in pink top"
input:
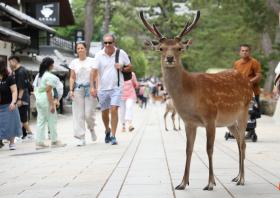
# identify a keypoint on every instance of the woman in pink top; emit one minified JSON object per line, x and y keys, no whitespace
{"x":128,"y":99}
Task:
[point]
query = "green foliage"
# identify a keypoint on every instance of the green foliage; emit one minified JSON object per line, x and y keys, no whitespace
{"x":224,"y":24}
{"x":216,"y":39}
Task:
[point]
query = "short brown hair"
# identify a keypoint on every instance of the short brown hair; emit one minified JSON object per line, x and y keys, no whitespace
{"x":246,"y":45}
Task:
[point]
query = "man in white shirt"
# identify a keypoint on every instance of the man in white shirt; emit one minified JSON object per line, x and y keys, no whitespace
{"x":110,"y":83}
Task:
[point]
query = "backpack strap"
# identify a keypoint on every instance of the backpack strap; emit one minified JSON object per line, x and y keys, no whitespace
{"x":117,"y":61}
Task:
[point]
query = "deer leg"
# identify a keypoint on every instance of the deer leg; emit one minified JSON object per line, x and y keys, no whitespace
{"x":238,"y":131}
{"x":210,"y":133}
{"x":234,"y":131}
{"x":242,"y":123}
{"x":173,"y":120}
{"x":191,"y":134}
{"x":165,"y":114}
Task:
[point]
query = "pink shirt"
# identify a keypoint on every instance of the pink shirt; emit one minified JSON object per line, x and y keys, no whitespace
{"x":129,"y":88}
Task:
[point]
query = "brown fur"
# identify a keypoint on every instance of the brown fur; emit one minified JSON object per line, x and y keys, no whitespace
{"x":170,"y":108}
{"x":207,"y":100}
{"x":156,"y":98}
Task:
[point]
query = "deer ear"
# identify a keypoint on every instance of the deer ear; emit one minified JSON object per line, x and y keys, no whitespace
{"x":152,"y":44}
{"x":187,"y":43}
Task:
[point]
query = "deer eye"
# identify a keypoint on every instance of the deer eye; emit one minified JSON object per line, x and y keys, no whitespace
{"x":160,"y":49}
{"x":179,"y":49}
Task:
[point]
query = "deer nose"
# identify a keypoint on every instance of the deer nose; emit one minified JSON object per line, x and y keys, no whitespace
{"x":170,"y":59}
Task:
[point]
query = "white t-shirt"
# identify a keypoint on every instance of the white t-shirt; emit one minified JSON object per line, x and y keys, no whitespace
{"x":82,"y":69}
{"x":107,"y":73}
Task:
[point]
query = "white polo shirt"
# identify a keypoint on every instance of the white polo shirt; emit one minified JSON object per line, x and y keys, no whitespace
{"x":107,"y":73}
{"x":82,"y":69}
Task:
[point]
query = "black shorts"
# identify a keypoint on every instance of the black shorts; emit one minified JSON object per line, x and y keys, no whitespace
{"x":23,"y":112}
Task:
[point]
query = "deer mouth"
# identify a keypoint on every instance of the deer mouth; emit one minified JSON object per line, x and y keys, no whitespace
{"x":169,"y":64}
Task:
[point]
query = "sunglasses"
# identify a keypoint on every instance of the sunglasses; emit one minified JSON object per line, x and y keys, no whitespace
{"x":109,"y":42}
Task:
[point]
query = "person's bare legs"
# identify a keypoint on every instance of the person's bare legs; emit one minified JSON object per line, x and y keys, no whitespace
{"x":12,"y":140}
{"x":114,"y":119}
{"x":27,"y":127}
{"x":105,"y":118}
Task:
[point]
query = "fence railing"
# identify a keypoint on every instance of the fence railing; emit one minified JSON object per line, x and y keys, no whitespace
{"x":61,"y":43}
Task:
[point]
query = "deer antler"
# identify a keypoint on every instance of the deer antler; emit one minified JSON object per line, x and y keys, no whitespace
{"x":188,"y":27}
{"x":153,"y":29}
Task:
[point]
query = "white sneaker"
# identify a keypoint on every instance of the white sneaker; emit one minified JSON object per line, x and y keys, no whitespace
{"x":41,"y":145}
{"x":12,"y":147}
{"x":57,"y":144}
{"x":93,"y":136}
{"x":81,"y":142}
{"x":30,"y":136}
{"x":18,"y":139}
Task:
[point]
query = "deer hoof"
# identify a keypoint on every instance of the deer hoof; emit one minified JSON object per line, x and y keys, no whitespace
{"x":208,"y":187}
{"x":166,"y":129}
{"x":235,"y":179}
{"x":181,"y":187}
{"x":240,"y":182}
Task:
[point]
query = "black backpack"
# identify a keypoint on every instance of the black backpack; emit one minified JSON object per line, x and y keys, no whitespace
{"x":126,"y":75}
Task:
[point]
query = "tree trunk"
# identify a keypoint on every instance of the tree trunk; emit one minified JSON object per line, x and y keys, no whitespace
{"x":89,"y":20}
{"x":107,"y":17}
{"x":267,"y":48}
{"x":274,"y":5}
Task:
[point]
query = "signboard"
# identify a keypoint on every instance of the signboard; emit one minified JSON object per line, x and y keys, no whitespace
{"x":79,"y":35}
{"x":48,"y":13}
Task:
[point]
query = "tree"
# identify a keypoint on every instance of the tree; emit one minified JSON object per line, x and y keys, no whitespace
{"x":262,"y":16}
{"x":107,"y":17}
{"x":89,"y":20}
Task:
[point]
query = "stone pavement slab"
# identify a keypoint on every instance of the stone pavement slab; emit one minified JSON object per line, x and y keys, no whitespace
{"x":148,"y":162}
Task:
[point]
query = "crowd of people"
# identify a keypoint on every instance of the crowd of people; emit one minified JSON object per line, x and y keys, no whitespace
{"x":106,"y":81}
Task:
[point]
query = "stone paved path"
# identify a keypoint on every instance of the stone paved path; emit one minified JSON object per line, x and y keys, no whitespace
{"x":149,"y":162}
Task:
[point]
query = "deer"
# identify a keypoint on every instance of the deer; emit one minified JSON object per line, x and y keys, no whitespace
{"x":202,"y":99}
{"x":169,"y":107}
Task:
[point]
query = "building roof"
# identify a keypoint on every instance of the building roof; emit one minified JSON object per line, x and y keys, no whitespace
{"x":66,"y":14}
{"x":61,"y":62}
{"x":12,"y":36}
{"x":19,"y":16}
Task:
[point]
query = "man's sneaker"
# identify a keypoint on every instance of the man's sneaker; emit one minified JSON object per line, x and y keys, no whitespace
{"x":41,"y":145}
{"x":12,"y":147}
{"x":57,"y":144}
{"x":81,"y":142}
{"x":107,"y":136}
{"x":93,"y":136}
{"x":113,"y":140}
